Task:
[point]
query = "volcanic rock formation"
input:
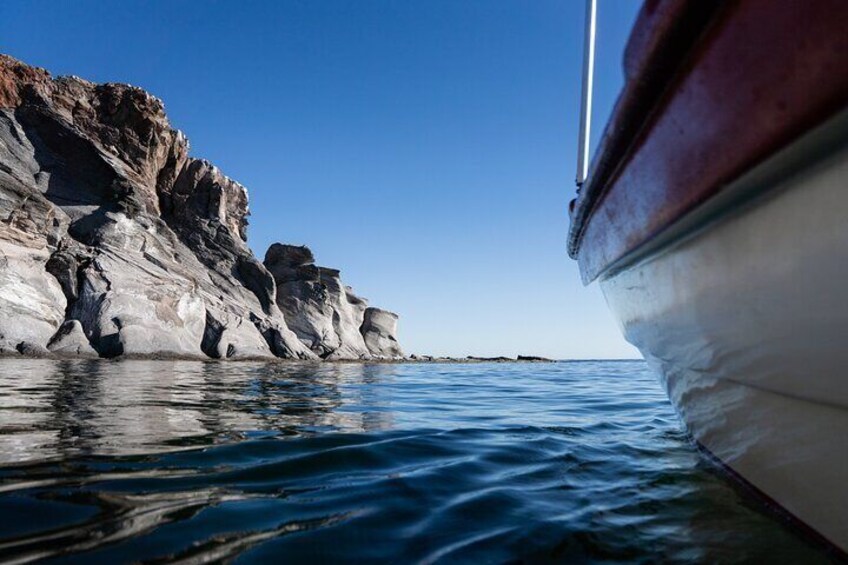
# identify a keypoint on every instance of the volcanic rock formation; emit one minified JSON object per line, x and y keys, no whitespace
{"x":114,"y":241}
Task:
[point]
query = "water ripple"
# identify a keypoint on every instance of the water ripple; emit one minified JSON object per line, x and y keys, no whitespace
{"x":185,"y":462}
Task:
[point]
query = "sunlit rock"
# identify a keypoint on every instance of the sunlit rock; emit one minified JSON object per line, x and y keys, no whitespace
{"x":379,"y":330}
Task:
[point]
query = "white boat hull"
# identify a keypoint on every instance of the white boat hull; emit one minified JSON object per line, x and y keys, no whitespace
{"x":746,"y":321}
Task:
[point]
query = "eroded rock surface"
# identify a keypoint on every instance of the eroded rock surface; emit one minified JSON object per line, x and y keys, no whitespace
{"x":379,"y":330}
{"x":70,"y":341}
{"x":114,"y":240}
{"x":325,"y":315}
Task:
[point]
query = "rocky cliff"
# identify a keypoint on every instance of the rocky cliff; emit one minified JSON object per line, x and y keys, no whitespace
{"x":113,"y":241}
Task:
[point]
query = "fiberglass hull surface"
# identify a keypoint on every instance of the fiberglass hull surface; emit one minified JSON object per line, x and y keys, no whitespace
{"x":746,"y":321}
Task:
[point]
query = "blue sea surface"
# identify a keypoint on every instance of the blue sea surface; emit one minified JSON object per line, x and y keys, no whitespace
{"x":193,"y":462}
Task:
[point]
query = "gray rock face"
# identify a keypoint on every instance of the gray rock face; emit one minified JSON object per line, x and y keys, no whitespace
{"x":114,"y":240}
{"x":70,"y":341}
{"x":379,"y":330}
{"x":32,"y":304}
{"x":324,"y":314}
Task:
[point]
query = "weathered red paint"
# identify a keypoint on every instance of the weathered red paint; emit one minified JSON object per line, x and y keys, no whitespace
{"x":762,"y":73}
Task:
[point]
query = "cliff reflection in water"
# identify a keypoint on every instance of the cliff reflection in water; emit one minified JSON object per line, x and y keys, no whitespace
{"x":52,"y":409}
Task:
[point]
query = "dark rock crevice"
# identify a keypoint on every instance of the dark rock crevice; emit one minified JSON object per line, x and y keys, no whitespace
{"x":212,"y":334}
{"x":68,"y":266}
{"x":258,"y":280}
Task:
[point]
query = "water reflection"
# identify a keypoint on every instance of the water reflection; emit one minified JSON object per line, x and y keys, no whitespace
{"x":161,"y":461}
{"x":54,"y":409}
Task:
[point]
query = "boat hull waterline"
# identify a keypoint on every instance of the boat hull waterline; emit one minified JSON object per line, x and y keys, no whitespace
{"x":715,"y":218}
{"x":745,"y":320}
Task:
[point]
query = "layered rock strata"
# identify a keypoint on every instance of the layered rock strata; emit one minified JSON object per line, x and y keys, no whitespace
{"x":114,"y":241}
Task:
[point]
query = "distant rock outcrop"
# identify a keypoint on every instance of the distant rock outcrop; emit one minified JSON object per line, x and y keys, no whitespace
{"x":114,"y":241}
{"x":379,"y":330}
{"x":326,"y":315}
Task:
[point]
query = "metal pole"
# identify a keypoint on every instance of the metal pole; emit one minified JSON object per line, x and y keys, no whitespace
{"x":586,"y":99}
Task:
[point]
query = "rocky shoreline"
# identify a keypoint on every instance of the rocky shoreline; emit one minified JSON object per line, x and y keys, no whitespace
{"x":411,"y":359}
{"x":114,"y":242}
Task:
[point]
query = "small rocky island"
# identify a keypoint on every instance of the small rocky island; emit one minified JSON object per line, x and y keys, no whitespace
{"x":114,"y":242}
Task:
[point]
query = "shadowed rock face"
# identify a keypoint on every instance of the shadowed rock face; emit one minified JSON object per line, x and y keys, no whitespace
{"x":111,"y":234}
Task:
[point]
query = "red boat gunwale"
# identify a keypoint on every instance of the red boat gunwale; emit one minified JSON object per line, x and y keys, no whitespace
{"x":712,"y":89}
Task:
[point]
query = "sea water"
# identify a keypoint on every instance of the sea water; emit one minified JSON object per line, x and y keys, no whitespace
{"x":160,"y":461}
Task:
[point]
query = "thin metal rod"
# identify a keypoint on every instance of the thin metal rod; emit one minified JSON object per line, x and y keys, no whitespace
{"x":586,"y":99}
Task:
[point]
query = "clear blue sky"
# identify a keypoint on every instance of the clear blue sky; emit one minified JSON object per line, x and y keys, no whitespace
{"x":425,"y":148}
